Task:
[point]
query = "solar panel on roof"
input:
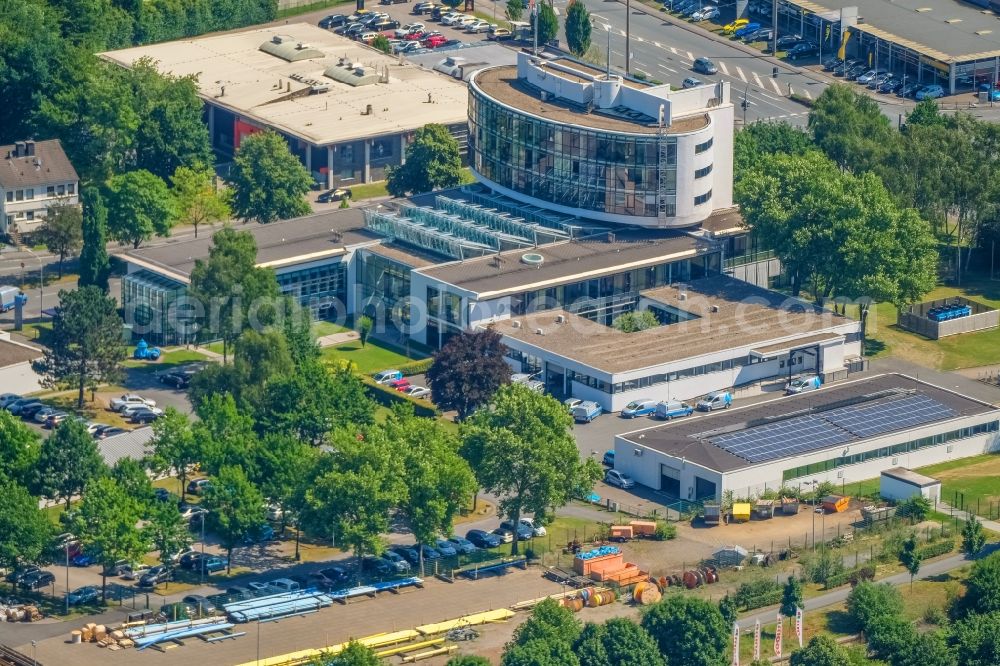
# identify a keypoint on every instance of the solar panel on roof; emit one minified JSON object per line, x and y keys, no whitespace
{"x":802,"y":434}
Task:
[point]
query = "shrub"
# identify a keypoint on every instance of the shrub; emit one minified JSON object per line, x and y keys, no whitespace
{"x":936,"y":549}
{"x":385,"y":395}
{"x":415,"y":367}
{"x":664,"y":531}
{"x":758,"y":593}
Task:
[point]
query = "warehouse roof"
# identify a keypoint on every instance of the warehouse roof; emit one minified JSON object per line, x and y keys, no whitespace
{"x":698,"y":439}
{"x":727,"y":313}
{"x":496,"y":275}
{"x":946,"y":30}
{"x":297,"y":96}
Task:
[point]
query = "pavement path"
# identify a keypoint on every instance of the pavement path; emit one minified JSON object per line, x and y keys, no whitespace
{"x":990,"y":525}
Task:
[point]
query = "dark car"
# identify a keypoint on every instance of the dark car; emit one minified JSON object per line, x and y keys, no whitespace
{"x":210,"y":564}
{"x":337,"y":575}
{"x":199,"y":605}
{"x":377,"y":565}
{"x":832,"y":63}
{"x":162,"y":495}
{"x":190,"y":560}
{"x":82,"y":560}
{"x":334,"y":195}
{"x":854,"y":72}
{"x":759,"y":35}
{"x":238,"y":592}
{"x":21,"y":572}
{"x":332,"y":21}
{"x":482,"y":539}
{"x":523,"y":531}
{"x":176,"y":379}
{"x":117,"y":569}
{"x":891,"y":87}
{"x":382,"y":26}
{"x":108,"y":432}
{"x":704,"y":65}
{"x":144,"y":416}
{"x":409,"y":553}
{"x":37,"y":580}
{"x":423,"y":8}
{"x":87,"y":594}
{"x":28,"y":411}
{"x":844,"y":67}
{"x":909,"y":90}
{"x":802,"y":50}
{"x":263,"y":534}
{"x":155,"y":576}
{"x":788,"y":41}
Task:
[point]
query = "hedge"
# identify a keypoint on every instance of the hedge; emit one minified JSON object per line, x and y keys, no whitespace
{"x":388,"y":396}
{"x":852,"y":576}
{"x":935,"y":549}
{"x":415,"y":367}
{"x":757,"y":594}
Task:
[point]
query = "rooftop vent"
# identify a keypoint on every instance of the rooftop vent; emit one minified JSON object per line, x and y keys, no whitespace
{"x":560,"y":319}
{"x":715,"y":308}
{"x":682,"y":296}
{"x":290,"y":50}
{"x":532,"y":259}
{"x":515,"y":324}
{"x":539,"y":331}
{"x":953,"y":20}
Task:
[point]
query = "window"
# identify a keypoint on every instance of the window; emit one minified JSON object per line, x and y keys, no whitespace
{"x":29,"y":193}
{"x":71,"y":188}
{"x":703,"y":198}
{"x":701,"y":173}
{"x":702,"y":147}
{"x":31,"y":215}
{"x":10,"y":195}
{"x":19,"y":195}
{"x":50,"y":190}
{"x":61,"y":190}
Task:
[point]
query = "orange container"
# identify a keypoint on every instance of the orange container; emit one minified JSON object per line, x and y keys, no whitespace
{"x":643,"y":527}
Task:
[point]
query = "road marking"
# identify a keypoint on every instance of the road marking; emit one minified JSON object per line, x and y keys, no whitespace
{"x":722,"y":66}
{"x":600,"y":18}
{"x":673,"y":50}
{"x":657,"y":45}
{"x":690,"y":56}
{"x":776,"y":88}
{"x":741,"y":74}
{"x":639,"y":39}
{"x":668,"y":69}
{"x":621,"y":33}
{"x":808,"y":94}
{"x":756,"y":79}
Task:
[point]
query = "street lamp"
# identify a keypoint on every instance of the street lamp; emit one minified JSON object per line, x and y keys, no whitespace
{"x":201,"y":562}
{"x":34,"y":645}
{"x":746,"y":91}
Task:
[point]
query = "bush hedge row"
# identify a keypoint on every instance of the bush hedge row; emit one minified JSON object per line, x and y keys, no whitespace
{"x":757,"y":594}
{"x":388,"y":396}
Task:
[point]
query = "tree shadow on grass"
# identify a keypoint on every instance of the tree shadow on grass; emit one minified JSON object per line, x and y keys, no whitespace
{"x":874,"y":347}
{"x":840,"y":622}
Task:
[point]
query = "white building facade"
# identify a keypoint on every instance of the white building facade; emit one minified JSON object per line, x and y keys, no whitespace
{"x":33,"y":177}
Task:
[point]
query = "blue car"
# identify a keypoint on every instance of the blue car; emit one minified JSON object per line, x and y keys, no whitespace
{"x":748,"y":29}
{"x":264,"y":533}
{"x":609,"y":458}
{"x":671,"y":409}
{"x":483,"y":539}
{"x":641,"y":407}
{"x":82,"y":560}
{"x":212,"y":564}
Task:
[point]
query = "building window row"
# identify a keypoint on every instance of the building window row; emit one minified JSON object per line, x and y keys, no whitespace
{"x":50,"y":191}
{"x":888,"y":451}
{"x":703,"y":198}
{"x":702,"y":147}
{"x":660,"y":378}
{"x":704,"y":171}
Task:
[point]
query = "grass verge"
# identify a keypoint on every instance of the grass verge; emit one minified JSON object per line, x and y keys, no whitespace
{"x":372,"y":357}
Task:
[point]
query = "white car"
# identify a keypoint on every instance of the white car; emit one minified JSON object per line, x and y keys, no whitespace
{"x":706,"y":14}
{"x":417,"y":391}
{"x":451,"y":17}
{"x":118,"y":404}
{"x":409,"y":28}
{"x":92,"y":427}
{"x":275,"y":512}
{"x":128,"y":410}
{"x":615,"y":478}
{"x":466,"y":21}
{"x":536,"y":386}
{"x":134,"y":571}
{"x":537,"y":529}
{"x":479,"y":26}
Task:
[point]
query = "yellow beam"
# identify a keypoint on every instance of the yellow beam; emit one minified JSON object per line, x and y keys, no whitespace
{"x":410,"y":647}
{"x":447,"y":649}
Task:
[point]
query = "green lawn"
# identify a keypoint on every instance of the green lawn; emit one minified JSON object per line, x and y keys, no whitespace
{"x":322,"y":328}
{"x":39,"y":332}
{"x":885,"y":338}
{"x":168,"y":360}
{"x":371,"y":358}
{"x":369,"y":191}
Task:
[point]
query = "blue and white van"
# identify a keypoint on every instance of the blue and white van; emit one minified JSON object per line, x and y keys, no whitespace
{"x":803,"y":384}
{"x":586,"y":411}
{"x":715,"y":400}
{"x":671,"y":409}
{"x":387,"y":376}
{"x":640,"y":407}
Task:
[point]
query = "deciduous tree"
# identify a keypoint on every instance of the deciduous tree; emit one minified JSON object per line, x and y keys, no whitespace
{"x":130,"y":475}
{"x":86,"y":344}
{"x":688,"y":630}
{"x":547,"y":23}
{"x":822,"y":650}
{"x":910,"y":557}
{"x":26,"y":530}
{"x":468,"y":370}
{"x":514,"y":10}
{"x":354,"y":654}
{"x":578,"y":28}
{"x":94,"y":265}
{"x":976,"y":641}
{"x":139,"y":205}
{"x":267,"y":181}
{"x":521,"y":450}
{"x":19,"y":450}
{"x":869,"y":601}
{"x":550,"y":623}
{"x":617,"y":641}
{"x":973,"y":538}
{"x":107,"y":525}
{"x":167,"y":531}
{"x":432,"y":161}
{"x":236,"y":509}
{"x":850,"y":128}
{"x":982,"y":587}
{"x":173,"y":446}
{"x":63,"y":231}
{"x":69,"y":461}
{"x":197,"y":201}
{"x":633,"y":322}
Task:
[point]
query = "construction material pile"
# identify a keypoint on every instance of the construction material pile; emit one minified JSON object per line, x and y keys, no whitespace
{"x":113,"y":639}
{"x":634,"y":530}
{"x":17,"y":612}
{"x":607,"y":564}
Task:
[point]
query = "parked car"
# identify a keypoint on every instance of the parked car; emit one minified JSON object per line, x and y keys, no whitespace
{"x":478,"y":27}
{"x":786,"y":42}
{"x":691,"y":82}
{"x":409,"y":553}
{"x":129,"y":410}
{"x":640,"y":407}
{"x":537,"y":529}
{"x":189,"y":559}
{"x":445,"y":547}
{"x":155,"y":576}
{"x":705,"y":13}
{"x":134,"y":571}
{"x":715,"y":400}
{"x":523,"y":533}
{"x":199,"y":606}
{"x":482,"y":539}
{"x":536,"y":386}
{"x":747,"y":29}
{"x":37,"y":580}
{"x":759,"y":35}
{"x":930,"y":92}
{"x":609,"y":458}
{"x":116,"y":569}
{"x":866,"y":78}
{"x":500,"y":34}
{"x":118,"y":404}
{"x":802,"y":50}
{"x":463,"y":545}
{"x":433,"y":41}
{"x":586,"y":411}
{"x":613,"y":477}
{"x":877,"y":82}
{"x":400,"y":384}
{"x":423,"y":8}
{"x":336,"y":574}
{"x":87,"y":594}
{"x":402,"y":566}
{"x":730,"y":28}
{"x":832,"y":63}
{"x":505,"y":535}
{"x":55,"y":418}
{"x":377,"y":565}
{"x":109,"y":432}
{"x":191,"y":512}
{"x":909,"y":90}
{"x":198,"y":486}
{"x":15,"y":406}
{"x":705,"y":66}
{"x":178,"y":380}
{"x":844,"y":67}
{"x":8,"y":398}
{"x":210,"y":564}
{"x":82,"y":559}
{"x":417,"y":391}
{"x":332,"y":21}
{"x":671,"y":409}
{"x":803,"y":384}
{"x":263,"y":534}
{"x":387,"y":376}
{"x":856,"y":71}
{"x":20,"y":572}
{"x":28,"y":411}
{"x":892,"y":86}
{"x":143,"y":416}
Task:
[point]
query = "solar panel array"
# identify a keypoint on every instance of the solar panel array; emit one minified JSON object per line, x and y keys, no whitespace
{"x":781,"y":439}
{"x":869,"y":420}
{"x":803,"y":434}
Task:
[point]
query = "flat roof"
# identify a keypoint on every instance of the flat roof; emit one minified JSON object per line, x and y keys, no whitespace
{"x":725,"y":222}
{"x":946,"y":30}
{"x":503,"y":85}
{"x":279,"y":244}
{"x":496,"y":275}
{"x":12,"y":353}
{"x":261,"y":87}
{"x":690,"y":438}
{"x":910,"y":477}
{"x":743,"y":314}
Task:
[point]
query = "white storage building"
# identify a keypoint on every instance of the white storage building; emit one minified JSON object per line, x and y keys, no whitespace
{"x":900,"y":484}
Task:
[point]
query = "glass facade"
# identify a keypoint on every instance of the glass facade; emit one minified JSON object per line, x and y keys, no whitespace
{"x":323,"y":289}
{"x":603,"y":171}
{"x":147,"y":299}
{"x":385,"y":289}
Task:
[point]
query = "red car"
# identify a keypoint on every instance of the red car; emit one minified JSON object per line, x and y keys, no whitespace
{"x":400,"y":384}
{"x":416,"y":36}
{"x":435,"y":41}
